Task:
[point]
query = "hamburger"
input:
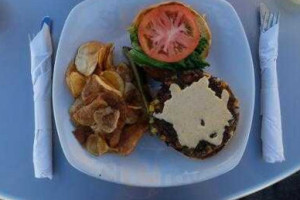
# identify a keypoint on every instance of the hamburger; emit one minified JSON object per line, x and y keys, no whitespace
{"x":195,"y":113}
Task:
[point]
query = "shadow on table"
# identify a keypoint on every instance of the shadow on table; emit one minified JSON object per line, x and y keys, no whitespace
{"x":288,"y":188}
{"x":5,"y":13}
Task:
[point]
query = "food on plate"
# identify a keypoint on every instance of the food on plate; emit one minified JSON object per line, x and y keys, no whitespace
{"x":170,"y":36}
{"x":108,"y":112}
{"x":142,"y":85}
{"x":159,"y":74}
{"x":94,"y":85}
{"x":113,"y":79}
{"x":131,"y":136}
{"x":77,"y":104}
{"x":132,"y":114}
{"x":94,"y":57}
{"x":75,"y":80}
{"x":195,"y":113}
{"x":192,"y":111}
{"x":84,"y":115}
{"x":106,"y":119}
{"x":105,"y":58}
{"x":124,"y":71}
{"x":81,"y":133}
{"x":87,"y":57}
{"x":108,"y":62}
{"x":96,"y":145}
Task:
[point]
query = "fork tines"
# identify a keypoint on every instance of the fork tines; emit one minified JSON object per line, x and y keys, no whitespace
{"x":267,"y":18}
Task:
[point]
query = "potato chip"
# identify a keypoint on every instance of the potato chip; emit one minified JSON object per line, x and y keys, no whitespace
{"x":87,"y":57}
{"x":108,"y":62}
{"x":71,"y":68}
{"x":106,"y":120}
{"x":101,"y":58}
{"x":130,"y":137}
{"x":76,"y":83}
{"x":106,"y":86}
{"x":103,"y":55}
{"x":132,"y":95}
{"x":96,"y":145}
{"x":124,"y":71}
{"x":113,"y":79}
{"x":114,"y":137}
{"x":85,"y":115}
{"x":133,"y":114}
{"x":78,"y":103}
{"x":82,"y":133}
{"x":94,"y":86}
{"x":129,"y":88}
{"x":102,"y":146}
{"x":107,"y":112}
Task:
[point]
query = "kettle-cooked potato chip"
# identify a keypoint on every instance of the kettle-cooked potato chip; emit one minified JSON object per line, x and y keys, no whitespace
{"x":87,"y":57}
{"x":78,"y":103}
{"x":106,"y":120}
{"x":75,"y":80}
{"x":101,"y":58}
{"x":124,"y":71}
{"x":133,"y":114}
{"x":94,"y":86}
{"x":71,"y":68}
{"x":130,"y":137}
{"x":132,"y":95}
{"x":108,"y":113}
{"x":85,"y":114}
{"x":114,"y":79}
{"x":96,"y":145}
{"x":105,"y":59}
{"x":108,"y":62}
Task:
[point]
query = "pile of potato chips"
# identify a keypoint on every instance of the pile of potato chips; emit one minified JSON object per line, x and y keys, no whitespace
{"x":108,"y":111}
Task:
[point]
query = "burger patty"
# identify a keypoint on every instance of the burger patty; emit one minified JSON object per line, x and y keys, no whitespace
{"x":165,"y":130}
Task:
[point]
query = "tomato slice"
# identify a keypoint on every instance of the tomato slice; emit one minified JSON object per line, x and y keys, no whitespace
{"x":169,"y":32}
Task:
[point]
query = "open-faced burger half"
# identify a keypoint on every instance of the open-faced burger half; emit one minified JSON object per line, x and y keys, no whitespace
{"x":195,"y":113}
{"x":170,"y":36}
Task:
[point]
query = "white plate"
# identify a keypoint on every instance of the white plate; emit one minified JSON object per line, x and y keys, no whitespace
{"x":153,"y":163}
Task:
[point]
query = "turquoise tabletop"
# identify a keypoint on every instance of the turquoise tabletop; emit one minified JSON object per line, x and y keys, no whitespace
{"x":19,"y":18}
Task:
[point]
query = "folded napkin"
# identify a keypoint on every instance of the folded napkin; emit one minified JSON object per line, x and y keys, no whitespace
{"x":41,"y":72}
{"x":271,"y":132}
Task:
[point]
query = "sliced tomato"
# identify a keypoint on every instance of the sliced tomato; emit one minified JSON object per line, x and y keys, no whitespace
{"x":169,"y":32}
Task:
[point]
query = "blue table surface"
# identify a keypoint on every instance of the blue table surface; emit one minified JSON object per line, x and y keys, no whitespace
{"x":19,"y":18}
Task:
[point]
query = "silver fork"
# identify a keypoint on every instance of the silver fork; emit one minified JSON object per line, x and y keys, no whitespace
{"x":267,"y":18}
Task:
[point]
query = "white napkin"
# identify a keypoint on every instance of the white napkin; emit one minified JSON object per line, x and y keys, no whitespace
{"x":271,"y":132}
{"x":41,"y":72}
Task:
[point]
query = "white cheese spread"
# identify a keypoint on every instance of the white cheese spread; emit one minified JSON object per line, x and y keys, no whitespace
{"x":197,"y":113}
